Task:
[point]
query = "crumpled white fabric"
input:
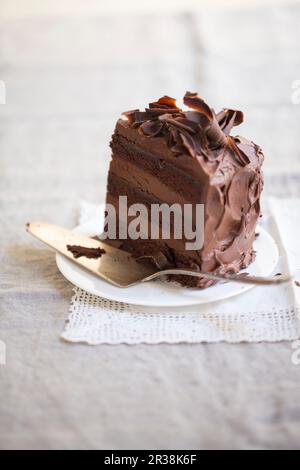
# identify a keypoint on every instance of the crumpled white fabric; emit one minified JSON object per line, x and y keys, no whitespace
{"x":262,"y":314}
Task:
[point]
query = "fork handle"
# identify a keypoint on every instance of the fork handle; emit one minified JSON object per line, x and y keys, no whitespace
{"x":243,"y":279}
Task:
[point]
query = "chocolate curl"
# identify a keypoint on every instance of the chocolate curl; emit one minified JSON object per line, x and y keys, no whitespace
{"x":130,"y":115}
{"x":228,"y":118}
{"x":165,"y":102}
{"x":194,"y":101}
{"x":215,"y":135}
{"x":213,"y":131}
{"x":181,"y":124}
{"x":240,"y":156}
{"x":151,"y":128}
{"x":174,"y":141}
{"x":189,"y":143}
{"x":155,"y":112}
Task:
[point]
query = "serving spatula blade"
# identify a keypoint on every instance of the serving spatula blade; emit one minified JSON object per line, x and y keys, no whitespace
{"x":115,"y":266}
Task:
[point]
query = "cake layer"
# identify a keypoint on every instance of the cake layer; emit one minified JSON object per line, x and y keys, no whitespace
{"x":134,"y":195}
{"x":160,"y":189}
{"x":161,"y":170}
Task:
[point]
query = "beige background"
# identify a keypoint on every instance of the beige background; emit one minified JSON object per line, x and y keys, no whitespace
{"x":36,"y":8}
{"x":70,"y":69}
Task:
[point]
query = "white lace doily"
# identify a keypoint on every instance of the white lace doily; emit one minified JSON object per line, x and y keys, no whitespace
{"x":263,"y":314}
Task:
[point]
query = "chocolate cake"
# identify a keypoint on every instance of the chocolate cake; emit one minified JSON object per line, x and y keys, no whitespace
{"x":169,"y":155}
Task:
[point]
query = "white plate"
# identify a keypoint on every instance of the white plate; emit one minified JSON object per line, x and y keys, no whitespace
{"x":164,"y":294}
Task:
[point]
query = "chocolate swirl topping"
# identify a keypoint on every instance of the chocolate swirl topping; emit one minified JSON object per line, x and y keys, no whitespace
{"x":199,"y":131}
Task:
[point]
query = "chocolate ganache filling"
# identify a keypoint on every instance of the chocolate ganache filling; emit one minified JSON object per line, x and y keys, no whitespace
{"x":167,"y":154}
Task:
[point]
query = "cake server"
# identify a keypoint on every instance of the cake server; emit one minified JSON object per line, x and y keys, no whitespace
{"x":119,"y":267}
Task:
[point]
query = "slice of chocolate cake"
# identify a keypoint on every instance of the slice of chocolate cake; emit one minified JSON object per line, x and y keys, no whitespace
{"x":168,"y":155}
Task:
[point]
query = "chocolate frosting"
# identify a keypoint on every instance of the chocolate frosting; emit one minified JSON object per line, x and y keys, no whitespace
{"x":225,"y":171}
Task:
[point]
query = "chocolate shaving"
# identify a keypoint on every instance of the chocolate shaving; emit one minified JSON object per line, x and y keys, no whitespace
{"x":189,"y":144}
{"x":164,"y":102}
{"x":192,"y":100}
{"x":177,"y":123}
{"x":151,"y":128}
{"x":158,"y":111}
{"x":78,"y":251}
{"x":196,"y":117}
{"x":297,"y":283}
{"x":140,"y":116}
{"x":228,"y":118}
{"x":131,"y":115}
{"x":198,"y":131}
{"x":239,"y":155}
{"x":215,"y":135}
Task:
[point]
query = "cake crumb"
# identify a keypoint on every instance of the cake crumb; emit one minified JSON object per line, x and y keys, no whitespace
{"x":297,"y":283}
{"x":92,"y":253}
